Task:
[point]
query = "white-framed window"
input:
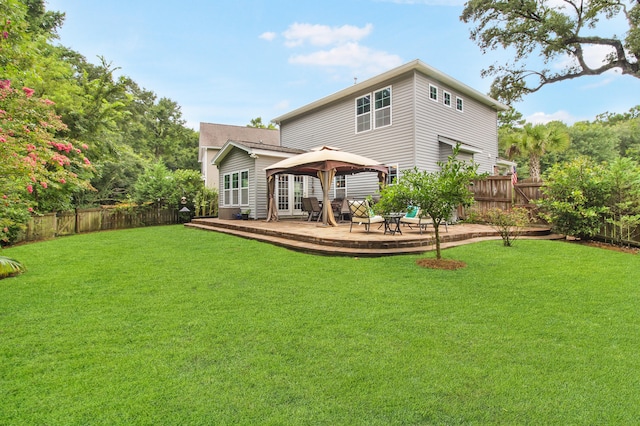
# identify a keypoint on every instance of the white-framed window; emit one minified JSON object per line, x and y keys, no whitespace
{"x":433,"y":93}
{"x":392,"y":174}
{"x":363,"y":113}
{"x":382,"y":107}
{"x":236,"y":188}
{"x":459,"y":104}
{"x":368,"y":118}
{"x":447,"y":98}
{"x":340,"y":187}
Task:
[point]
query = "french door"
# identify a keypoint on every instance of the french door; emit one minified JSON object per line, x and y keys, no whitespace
{"x":289,"y":192}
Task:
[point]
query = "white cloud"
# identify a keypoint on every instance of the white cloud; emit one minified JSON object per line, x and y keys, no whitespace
{"x":323,"y":35}
{"x":594,"y":56}
{"x":604,"y":79}
{"x":351,"y":55}
{"x":282,"y":105}
{"x":544,"y":118}
{"x":556,"y":4}
{"x":269,"y":36}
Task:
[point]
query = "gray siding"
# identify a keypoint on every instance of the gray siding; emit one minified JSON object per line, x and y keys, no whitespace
{"x":412,"y":138}
{"x":334,"y":125}
{"x":476,"y":126}
{"x":259,"y":210}
{"x":238,"y":160}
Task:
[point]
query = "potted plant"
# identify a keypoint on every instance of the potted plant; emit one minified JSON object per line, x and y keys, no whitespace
{"x":245,"y":214}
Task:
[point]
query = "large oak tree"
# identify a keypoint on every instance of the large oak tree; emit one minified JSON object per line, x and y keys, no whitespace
{"x":553,"y":31}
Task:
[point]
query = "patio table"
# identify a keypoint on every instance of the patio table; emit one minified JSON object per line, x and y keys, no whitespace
{"x":392,"y":223}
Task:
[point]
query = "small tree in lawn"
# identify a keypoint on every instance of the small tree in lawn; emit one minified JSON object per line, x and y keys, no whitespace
{"x":507,"y":222}
{"x":437,"y":194}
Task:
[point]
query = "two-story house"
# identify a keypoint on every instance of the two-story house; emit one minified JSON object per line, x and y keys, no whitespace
{"x":410,"y":116}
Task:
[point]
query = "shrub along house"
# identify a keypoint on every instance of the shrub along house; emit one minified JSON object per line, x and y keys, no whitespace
{"x":410,"y":116}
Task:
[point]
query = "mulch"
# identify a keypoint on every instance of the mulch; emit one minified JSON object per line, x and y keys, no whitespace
{"x":609,"y":246}
{"x":450,"y":264}
{"x":446,"y":264}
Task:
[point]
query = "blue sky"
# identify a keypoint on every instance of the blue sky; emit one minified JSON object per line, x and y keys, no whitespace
{"x":228,"y":61}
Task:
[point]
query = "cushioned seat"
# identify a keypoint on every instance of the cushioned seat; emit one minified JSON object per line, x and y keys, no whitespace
{"x":414,"y":217}
{"x":361,"y":213}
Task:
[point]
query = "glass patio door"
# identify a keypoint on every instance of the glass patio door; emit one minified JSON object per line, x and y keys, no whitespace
{"x":289,"y":191}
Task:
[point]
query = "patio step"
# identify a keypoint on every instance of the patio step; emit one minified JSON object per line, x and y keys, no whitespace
{"x":314,"y":239}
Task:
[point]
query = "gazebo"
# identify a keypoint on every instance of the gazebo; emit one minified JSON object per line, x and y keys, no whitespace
{"x":324,"y":163}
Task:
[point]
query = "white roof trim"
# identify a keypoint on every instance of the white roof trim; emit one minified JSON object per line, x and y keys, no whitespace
{"x":255,"y":153}
{"x":415,"y":65}
{"x":463,"y":147}
{"x":203,"y":149}
{"x":504,"y":162}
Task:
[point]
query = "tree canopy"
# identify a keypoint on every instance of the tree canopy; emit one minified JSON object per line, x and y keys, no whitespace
{"x":533,"y":141}
{"x":258,"y":124}
{"x":552,"y":31}
{"x":73,"y":133}
{"x":437,"y":194}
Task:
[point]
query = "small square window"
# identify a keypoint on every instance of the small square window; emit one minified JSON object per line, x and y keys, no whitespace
{"x":433,"y":93}
{"x":447,"y":99}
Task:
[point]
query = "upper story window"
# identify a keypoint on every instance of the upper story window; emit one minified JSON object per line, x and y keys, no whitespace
{"x":459,"y":104}
{"x":381,"y":110}
{"x":447,"y":99}
{"x":433,"y":93}
{"x":383,"y":107}
{"x":363,"y":114}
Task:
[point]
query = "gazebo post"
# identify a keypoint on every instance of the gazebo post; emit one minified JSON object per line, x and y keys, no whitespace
{"x":326,"y":177}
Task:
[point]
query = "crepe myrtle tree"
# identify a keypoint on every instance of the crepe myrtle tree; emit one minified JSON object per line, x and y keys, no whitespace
{"x":437,"y":194}
{"x":40,"y":171}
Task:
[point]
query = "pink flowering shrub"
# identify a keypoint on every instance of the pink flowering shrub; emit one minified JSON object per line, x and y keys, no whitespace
{"x":39,"y":170}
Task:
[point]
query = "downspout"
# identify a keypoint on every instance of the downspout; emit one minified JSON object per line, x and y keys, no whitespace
{"x":415,"y":133}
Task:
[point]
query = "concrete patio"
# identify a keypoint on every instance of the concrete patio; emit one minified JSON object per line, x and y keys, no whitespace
{"x":313,"y":237}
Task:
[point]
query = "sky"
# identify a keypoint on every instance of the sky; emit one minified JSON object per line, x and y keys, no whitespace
{"x":228,"y":61}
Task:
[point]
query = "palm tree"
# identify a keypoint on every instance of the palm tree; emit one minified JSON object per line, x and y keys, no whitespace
{"x":536,"y":140}
{"x":9,"y":267}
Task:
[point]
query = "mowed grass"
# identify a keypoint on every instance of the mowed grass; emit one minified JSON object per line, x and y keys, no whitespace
{"x":171,"y":325}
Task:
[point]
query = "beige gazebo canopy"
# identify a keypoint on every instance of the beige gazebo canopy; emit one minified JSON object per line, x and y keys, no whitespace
{"x":324,"y":163}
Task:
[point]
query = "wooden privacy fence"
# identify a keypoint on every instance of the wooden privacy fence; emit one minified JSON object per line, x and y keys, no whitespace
{"x":499,"y":192}
{"x":97,"y":219}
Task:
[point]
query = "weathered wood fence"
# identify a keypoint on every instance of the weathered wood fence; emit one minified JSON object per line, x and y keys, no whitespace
{"x":52,"y":225}
{"x":625,"y":236}
{"x":499,"y":192}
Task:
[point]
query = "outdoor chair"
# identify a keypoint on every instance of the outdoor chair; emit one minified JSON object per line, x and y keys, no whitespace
{"x":340,"y":208}
{"x":414,"y":217}
{"x":311,"y":206}
{"x":361,"y":213}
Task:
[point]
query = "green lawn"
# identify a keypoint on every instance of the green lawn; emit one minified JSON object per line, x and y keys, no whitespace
{"x":170,"y":325}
